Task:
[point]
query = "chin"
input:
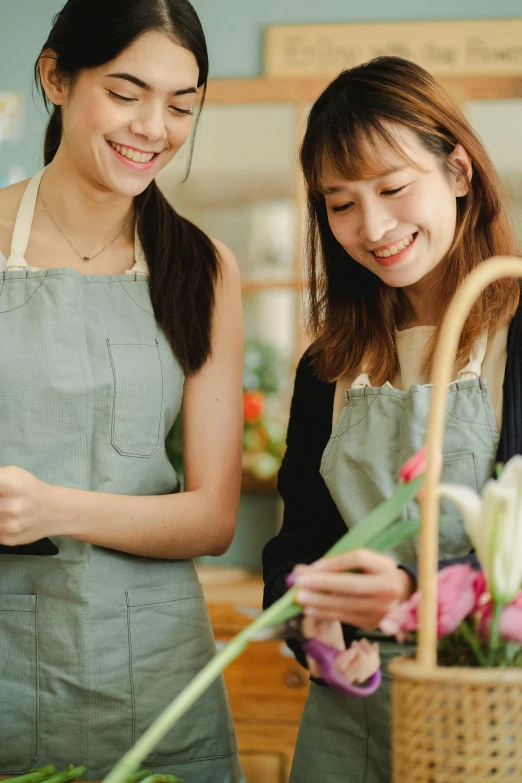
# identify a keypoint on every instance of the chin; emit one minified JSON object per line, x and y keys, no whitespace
{"x":130,"y":187}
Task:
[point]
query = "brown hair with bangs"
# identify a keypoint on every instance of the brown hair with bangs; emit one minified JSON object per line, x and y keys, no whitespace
{"x":352,"y":313}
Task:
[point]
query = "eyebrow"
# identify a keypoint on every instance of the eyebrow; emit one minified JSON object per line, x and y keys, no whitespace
{"x":144,"y":86}
{"x":338,"y":188}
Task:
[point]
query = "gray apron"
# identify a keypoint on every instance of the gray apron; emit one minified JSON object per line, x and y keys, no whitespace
{"x":346,"y":740}
{"x":94,"y":643}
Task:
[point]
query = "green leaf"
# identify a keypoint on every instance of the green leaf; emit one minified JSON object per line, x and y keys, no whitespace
{"x":377,"y":520}
{"x":397,"y":533}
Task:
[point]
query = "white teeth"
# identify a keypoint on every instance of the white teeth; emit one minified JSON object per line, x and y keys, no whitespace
{"x":394,"y":249}
{"x":137,"y":157}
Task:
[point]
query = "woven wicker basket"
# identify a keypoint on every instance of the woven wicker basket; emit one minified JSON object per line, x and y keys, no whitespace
{"x":452,"y":724}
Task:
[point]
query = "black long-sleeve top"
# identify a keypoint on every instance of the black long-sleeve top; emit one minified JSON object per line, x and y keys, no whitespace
{"x":311,"y":520}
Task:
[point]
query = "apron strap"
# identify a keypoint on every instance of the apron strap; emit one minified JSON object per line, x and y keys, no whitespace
{"x":361,"y":381}
{"x":473,"y":368}
{"x":140,"y":267}
{"x":24,"y":221}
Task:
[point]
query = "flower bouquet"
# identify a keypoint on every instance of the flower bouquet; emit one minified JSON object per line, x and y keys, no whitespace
{"x":479,"y":613}
{"x":457,"y":708}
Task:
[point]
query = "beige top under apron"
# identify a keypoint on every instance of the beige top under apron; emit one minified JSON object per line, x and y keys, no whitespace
{"x":23,"y":226}
{"x":411,"y":345}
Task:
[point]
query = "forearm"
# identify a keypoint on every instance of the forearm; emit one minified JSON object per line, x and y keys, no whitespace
{"x":180,"y":526}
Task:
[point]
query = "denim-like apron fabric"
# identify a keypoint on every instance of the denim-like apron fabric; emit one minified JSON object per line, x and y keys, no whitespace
{"x":342,"y":739}
{"x":94,"y":643}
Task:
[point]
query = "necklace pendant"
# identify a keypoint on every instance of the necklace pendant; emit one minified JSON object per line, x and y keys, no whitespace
{"x":85,"y":258}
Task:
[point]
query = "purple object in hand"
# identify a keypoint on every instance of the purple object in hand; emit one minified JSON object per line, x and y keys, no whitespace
{"x":325,"y":656}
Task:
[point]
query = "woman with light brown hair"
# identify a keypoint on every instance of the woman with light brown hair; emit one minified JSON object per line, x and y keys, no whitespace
{"x":403,"y":203}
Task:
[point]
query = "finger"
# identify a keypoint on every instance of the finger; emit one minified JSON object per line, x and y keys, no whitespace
{"x":345,"y":586}
{"x":366,"y":621}
{"x":359,"y":559}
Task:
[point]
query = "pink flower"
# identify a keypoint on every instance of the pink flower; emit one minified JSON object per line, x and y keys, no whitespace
{"x":416,"y":465}
{"x":511,"y":620}
{"x":402,"y":619}
{"x":458,"y":591}
{"x":510,"y":627}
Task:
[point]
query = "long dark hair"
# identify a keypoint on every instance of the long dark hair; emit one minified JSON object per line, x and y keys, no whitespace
{"x":352,"y":313}
{"x":183,"y":261}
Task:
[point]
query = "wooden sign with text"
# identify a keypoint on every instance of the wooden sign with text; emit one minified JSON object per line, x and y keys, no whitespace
{"x":486,"y":47}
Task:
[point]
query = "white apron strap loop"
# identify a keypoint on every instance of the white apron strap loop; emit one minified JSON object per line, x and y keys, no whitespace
{"x":24,"y":219}
{"x":473,"y":368}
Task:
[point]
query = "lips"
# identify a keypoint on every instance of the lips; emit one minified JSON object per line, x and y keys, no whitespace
{"x":392,"y":254}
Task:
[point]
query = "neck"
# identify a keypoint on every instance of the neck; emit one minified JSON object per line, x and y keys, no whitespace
{"x":419,"y":308}
{"x":84,"y":211}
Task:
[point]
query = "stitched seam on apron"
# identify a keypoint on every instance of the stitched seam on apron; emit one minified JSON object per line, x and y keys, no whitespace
{"x":27,"y":300}
{"x":133,"y":300}
{"x":189,"y":761}
{"x":469,"y":421}
{"x":131,"y":679}
{"x":113,"y":424}
{"x":492,"y":430}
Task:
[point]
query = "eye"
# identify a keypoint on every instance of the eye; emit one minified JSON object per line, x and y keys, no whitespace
{"x":342,"y":207}
{"x":121,"y":98}
{"x":187,"y":112}
{"x":393,"y":191}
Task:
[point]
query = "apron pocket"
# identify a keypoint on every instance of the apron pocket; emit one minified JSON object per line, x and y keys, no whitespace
{"x":18,"y":683}
{"x":138,"y":397}
{"x":170,"y":640}
{"x":458,"y":468}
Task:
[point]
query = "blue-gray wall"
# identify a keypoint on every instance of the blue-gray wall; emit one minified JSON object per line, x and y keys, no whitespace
{"x":234,"y":30}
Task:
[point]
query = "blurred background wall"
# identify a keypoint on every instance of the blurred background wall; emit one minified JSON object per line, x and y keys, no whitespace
{"x":234,"y":31}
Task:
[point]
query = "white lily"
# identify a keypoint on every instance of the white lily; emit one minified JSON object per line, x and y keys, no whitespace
{"x":494,"y":525}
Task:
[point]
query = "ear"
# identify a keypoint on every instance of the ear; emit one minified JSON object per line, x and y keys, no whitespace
{"x":54,"y":84}
{"x":463,"y":169}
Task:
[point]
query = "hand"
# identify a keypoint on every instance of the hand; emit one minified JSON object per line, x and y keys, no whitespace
{"x":357,"y":663}
{"x":361,"y":599}
{"x":329,"y":632}
{"x":25,"y":507}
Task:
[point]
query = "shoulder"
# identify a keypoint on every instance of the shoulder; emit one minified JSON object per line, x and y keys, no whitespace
{"x":227,"y":261}
{"x":10,"y":198}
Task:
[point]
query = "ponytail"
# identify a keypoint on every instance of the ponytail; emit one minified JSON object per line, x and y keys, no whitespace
{"x":184,"y":269}
{"x":53,"y":135}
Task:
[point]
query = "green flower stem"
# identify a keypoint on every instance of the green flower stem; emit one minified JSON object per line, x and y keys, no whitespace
{"x":473,"y":642}
{"x":285,"y":608}
{"x":494,"y":639}
{"x":282,"y":610}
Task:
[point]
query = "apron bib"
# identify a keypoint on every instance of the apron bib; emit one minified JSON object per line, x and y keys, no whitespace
{"x":344,"y":740}
{"x":95,"y":642}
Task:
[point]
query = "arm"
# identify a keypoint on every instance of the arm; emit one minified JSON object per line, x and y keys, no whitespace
{"x":200,"y":520}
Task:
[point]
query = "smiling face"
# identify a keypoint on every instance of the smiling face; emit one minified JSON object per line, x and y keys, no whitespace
{"x":400,"y":223}
{"x":125,"y":120}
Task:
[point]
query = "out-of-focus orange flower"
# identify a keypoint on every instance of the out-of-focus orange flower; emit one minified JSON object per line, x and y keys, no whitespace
{"x":253,"y":404}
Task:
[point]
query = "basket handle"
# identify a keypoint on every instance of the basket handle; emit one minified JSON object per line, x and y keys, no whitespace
{"x":443,"y":364}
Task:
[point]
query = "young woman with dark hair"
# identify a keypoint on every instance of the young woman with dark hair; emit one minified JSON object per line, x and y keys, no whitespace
{"x":114,"y":311}
{"x":403,"y":203}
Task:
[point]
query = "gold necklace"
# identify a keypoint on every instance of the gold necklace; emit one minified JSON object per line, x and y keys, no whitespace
{"x":85,"y":258}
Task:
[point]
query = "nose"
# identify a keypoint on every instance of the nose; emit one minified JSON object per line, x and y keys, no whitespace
{"x":150,"y":124}
{"x":376,"y":220}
